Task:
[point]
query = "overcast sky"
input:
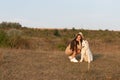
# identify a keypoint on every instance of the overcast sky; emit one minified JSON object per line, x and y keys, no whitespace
{"x":86,"y":14}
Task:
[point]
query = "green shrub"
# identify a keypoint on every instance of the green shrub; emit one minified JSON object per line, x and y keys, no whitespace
{"x":73,"y":29}
{"x":16,"y":40}
{"x":57,"y":33}
{"x":3,"y":38}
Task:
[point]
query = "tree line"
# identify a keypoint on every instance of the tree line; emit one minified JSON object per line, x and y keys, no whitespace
{"x":7,"y":25}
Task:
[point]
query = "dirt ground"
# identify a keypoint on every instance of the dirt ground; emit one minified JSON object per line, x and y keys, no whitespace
{"x":55,"y":65}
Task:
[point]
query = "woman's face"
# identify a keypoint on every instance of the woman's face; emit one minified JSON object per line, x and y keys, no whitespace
{"x":78,"y":38}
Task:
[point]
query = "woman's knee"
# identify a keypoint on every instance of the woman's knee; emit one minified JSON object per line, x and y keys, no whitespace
{"x":68,"y":52}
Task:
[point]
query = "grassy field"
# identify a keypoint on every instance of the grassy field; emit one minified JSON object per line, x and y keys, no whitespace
{"x":55,"y":65}
{"x":44,"y":57}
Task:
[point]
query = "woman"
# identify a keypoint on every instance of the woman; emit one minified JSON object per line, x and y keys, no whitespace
{"x":74,"y":47}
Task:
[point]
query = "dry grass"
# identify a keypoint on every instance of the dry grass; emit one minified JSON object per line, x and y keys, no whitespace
{"x":45,"y":61}
{"x":54,"y":65}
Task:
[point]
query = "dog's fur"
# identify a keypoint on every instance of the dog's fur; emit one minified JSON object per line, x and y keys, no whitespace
{"x":86,"y":53}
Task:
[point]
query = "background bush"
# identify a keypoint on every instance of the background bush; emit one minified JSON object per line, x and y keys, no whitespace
{"x":13,"y":38}
{"x":57,"y":33}
{"x":3,"y":39}
{"x":16,"y":39}
{"x":9,"y":25}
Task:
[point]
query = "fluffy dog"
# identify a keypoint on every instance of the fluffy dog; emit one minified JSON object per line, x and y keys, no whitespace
{"x":86,"y":53}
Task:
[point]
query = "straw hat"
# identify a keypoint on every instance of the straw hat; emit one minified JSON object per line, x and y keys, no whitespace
{"x":81,"y":34}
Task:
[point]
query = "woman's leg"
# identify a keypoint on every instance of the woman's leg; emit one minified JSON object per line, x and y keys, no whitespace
{"x":73,"y":54}
{"x":73,"y":59}
{"x":68,"y":52}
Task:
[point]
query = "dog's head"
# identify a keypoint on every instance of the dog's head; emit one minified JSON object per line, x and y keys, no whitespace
{"x":85,"y":44}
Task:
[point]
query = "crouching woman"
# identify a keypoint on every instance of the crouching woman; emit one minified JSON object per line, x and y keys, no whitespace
{"x":74,"y":47}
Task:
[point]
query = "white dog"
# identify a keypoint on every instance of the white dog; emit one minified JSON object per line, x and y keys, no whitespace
{"x":86,"y":53}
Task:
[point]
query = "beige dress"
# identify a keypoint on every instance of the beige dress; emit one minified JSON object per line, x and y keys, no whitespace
{"x":69,"y":52}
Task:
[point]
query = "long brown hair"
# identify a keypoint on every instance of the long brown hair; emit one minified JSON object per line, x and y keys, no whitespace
{"x":73,"y":44}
